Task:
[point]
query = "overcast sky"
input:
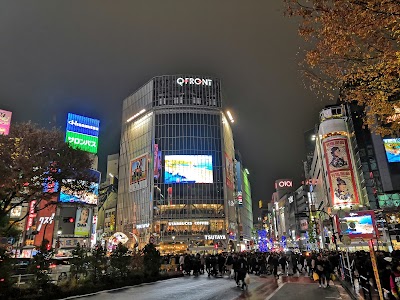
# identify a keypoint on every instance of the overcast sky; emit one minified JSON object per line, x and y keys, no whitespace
{"x":87,"y":56}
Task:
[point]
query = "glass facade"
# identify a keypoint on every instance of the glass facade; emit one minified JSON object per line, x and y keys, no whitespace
{"x":176,"y":180}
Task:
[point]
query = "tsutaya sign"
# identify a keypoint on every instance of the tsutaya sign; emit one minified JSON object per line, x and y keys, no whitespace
{"x":215,"y":237}
{"x":197,"y":81}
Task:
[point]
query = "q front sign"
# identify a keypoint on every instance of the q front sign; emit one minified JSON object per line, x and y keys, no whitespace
{"x":283,"y":184}
{"x":193,"y":81}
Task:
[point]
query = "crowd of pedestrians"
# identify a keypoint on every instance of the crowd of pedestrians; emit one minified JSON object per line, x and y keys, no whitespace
{"x":321,"y":266}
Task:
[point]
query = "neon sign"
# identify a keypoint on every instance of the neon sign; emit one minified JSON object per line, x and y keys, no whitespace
{"x":197,"y":81}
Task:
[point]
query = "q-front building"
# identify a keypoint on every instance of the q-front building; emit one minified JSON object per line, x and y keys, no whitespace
{"x":176,"y":167}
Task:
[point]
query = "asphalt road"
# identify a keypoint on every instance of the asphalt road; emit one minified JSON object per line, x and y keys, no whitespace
{"x":204,"y":288}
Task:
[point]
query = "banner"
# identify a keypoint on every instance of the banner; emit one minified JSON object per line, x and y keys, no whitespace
{"x":82,"y":222}
{"x":138,"y":173}
{"x":157,"y":162}
{"x":340,"y":172}
{"x":229,"y":171}
{"x":5,"y":121}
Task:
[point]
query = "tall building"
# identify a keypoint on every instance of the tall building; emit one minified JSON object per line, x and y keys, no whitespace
{"x":176,"y":167}
{"x":244,"y":204}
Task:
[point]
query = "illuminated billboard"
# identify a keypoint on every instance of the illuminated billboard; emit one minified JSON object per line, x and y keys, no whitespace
{"x":82,"y":222}
{"x":138,"y":173}
{"x":340,"y":172}
{"x":82,"y":133}
{"x":84,"y":125}
{"x":358,"y":224}
{"x":188,"y":169}
{"x":82,"y":142}
{"x":392,"y":149}
{"x":91,"y":196}
{"x":5,"y":121}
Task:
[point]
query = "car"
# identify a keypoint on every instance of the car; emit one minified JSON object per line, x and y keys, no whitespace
{"x":20,"y":265}
{"x":60,"y":268}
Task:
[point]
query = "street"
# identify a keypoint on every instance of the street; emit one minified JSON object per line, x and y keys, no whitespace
{"x":205,"y":288}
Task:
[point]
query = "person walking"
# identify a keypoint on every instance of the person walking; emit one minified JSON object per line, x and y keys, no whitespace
{"x":242,"y":264}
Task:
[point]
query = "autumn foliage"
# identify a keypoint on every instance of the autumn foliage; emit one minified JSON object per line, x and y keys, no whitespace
{"x":32,"y":158}
{"x":354,"y":53}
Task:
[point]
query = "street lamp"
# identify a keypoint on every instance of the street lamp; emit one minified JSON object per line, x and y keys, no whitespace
{"x":59,"y":232}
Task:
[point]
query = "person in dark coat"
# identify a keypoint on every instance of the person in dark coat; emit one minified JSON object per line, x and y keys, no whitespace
{"x":242,"y":264}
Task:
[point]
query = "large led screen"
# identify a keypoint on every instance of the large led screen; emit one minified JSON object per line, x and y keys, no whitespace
{"x":88,"y":197}
{"x":188,"y":169}
{"x":392,"y":148}
{"x":358,"y":225}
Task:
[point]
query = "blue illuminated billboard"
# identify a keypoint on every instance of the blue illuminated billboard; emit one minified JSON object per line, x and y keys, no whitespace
{"x":392,"y":149}
{"x":188,"y":169}
{"x":83,"y":125}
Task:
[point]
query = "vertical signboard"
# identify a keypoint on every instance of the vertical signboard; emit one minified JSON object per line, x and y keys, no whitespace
{"x":229,"y":171}
{"x":138,"y":173}
{"x":45,"y":221}
{"x":82,"y":222}
{"x":5,"y":121}
{"x":157,"y":162}
{"x":82,"y":132}
{"x":340,"y":172}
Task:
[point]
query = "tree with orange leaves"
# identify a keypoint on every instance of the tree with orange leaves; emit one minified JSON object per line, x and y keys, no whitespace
{"x":354,"y":53}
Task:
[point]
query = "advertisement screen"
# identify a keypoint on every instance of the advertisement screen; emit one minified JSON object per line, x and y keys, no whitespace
{"x":188,"y":169}
{"x":359,"y":224}
{"x":88,"y":197}
{"x":392,"y":149}
{"x":82,"y":223}
{"x":5,"y":121}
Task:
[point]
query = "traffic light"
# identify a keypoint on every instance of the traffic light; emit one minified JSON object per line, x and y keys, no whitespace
{"x":69,"y":220}
{"x":216,"y":246}
{"x":327,"y":240}
{"x":48,"y":247}
{"x":397,"y":238}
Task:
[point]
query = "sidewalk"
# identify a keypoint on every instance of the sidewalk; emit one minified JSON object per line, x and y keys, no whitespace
{"x":355,"y":292}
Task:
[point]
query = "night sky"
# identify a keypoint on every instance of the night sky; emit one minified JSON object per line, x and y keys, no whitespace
{"x":87,"y":56}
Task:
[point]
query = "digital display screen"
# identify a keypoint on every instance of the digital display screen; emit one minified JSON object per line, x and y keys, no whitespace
{"x":392,"y":148}
{"x":188,"y":169}
{"x":358,"y":224}
{"x":88,"y":197}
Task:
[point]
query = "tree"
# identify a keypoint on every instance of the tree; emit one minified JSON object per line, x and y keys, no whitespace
{"x":78,"y":262}
{"x":120,"y":260}
{"x":354,"y":53}
{"x":98,"y":262}
{"x":151,"y":260}
{"x":39,"y":266}
{"x":32,"y":158}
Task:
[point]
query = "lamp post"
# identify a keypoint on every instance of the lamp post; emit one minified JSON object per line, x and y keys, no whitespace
{"x":59,"y":232}
{"x":333,"y":227}
{"x":173,"y":239}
